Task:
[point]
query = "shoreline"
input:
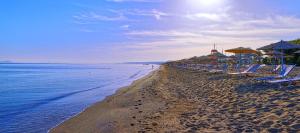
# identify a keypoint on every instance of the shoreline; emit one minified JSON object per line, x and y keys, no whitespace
{"x":116,"y":93}
{"x":176,"y":100}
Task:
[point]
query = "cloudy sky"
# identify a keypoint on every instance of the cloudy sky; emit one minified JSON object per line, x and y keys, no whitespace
{"x":96,"y":31}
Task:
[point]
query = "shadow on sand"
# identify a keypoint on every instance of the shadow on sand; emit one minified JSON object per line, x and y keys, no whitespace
{"x":256,"y":87}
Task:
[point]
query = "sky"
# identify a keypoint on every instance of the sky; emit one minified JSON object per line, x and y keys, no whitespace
{"x":107,"y":31}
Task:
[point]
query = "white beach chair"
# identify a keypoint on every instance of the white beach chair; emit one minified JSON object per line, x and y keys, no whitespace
{"x":224,"y":69}
{"x":283,"y":73}
{"x":296,"y":78}
{"x":251,"y":69}
{"x":286,"y":80}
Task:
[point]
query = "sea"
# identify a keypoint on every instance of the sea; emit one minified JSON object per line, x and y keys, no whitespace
{"x":37,"y":97}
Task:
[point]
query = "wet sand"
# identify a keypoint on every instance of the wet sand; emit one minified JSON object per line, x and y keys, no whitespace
{"x":177,"y":100}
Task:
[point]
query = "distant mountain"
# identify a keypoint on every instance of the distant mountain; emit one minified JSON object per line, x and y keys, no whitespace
{"x":297,"y":41}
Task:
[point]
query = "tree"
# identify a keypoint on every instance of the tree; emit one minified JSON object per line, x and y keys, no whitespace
{"x":267,"y":61}
{"x":297,"y":41}
{"x":298,"y":61}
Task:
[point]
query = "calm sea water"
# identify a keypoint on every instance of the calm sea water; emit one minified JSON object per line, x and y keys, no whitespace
{"x":36,"y":97}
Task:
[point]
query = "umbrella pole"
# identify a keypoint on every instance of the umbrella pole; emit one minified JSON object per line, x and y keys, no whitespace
{"x":274,"y":62}
{"x":282,"y":60}
{"x":240,"y":62}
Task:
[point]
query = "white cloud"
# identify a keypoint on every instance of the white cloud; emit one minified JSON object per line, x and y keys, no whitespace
{"x":181,"y":34}
{"x":178,"y":48}
{"x":237,"y":33}
{"x":90,"y":17}
{"x":232,"y":32}
{"x":207,"y":16}
{"x":116,"y":15}
{"x":125,"y":27}
{"x":139,"y":12}
{"x":163,"y":33}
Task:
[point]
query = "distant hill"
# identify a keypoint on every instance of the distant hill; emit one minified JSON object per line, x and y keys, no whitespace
{"x":297,"y":41}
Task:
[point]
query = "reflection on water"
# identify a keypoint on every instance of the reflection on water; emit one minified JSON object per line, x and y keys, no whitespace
{"x":36,"y":97}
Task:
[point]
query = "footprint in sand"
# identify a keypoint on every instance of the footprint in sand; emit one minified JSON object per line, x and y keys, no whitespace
{"x":154,"y":124}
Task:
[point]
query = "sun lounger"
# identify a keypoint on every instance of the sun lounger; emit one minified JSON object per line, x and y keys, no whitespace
{"x":224,"y":69}
{"x":283,"y":73}
{"x":297,"y":78}
{"x":286,"y":80}
{"x":251,"y":69}
{"x":206,"y":67}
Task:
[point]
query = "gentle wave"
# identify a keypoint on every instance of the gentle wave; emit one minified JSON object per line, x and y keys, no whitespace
{"x":45,"y":101}
{"x":36,"y":97}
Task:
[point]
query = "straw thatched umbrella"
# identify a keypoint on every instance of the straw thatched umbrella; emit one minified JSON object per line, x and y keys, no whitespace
{"x":282,"y":45}
{"x":241,"y":50}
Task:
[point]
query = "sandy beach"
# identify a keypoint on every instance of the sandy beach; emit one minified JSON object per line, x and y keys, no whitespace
{"x":178,"y":100}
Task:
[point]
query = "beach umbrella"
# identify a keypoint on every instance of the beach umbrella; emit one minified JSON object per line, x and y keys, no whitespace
{"x":280,"y":46}
{"x":241,"y":50}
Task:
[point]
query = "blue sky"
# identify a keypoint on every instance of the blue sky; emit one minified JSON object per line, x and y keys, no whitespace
{"x":96,"y":31}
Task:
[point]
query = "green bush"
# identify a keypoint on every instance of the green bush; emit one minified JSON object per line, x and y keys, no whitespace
{"x":297,"y":41}
{"x":267,"y":61}
{"x":298,"y":61}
